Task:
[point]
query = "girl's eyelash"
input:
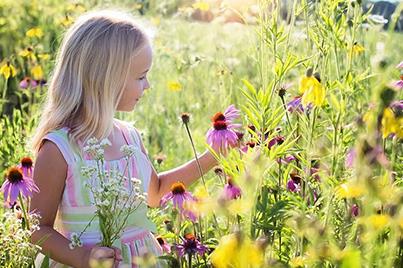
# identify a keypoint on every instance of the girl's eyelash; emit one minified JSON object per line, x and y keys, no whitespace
{"x":142,"y":78}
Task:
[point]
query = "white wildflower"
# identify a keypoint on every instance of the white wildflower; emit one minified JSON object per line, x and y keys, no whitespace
{"x":128,"y":150}
{"x":105,"y":142}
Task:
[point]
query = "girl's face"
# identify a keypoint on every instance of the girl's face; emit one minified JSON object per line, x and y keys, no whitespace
{"x":137,"y":81}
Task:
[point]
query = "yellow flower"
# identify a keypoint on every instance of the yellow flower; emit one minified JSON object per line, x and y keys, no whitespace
{"x":174,"y":86}
{"x":200,"y":192}
{"x":349,"y":190}
{"x":28,"y":53}
{"x":34,"y":32}
{"x":66,"y":21}
{"x":8,"y":70}
{"x":201,"y":207}
{"x":203,"y":6}
{"x":378,"y":221}
{"x":156,"y":21}
{"x":357,"y":49}
{"x":76,"y":8}
{"x":237,"y":252}
{"x":37,"y":72}
{"x":312,"y":90}
{"x":391,"y":124}
{"x":297,"y":262}
{"x":44,"y":56}
{"x":239,"y":206}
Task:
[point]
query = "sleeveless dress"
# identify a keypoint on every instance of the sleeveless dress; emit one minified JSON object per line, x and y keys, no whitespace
{"x":76,"y":209}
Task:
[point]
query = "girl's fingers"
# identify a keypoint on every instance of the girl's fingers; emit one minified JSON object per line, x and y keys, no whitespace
{"x":104,"y":253}
{"x":118,"y":254}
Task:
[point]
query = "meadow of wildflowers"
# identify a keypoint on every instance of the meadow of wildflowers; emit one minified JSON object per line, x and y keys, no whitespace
{"x":302,"y":109}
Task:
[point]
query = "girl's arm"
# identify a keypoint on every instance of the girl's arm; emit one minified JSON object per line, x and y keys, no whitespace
{"x":161,"y":183}
{"x":50,"y":175}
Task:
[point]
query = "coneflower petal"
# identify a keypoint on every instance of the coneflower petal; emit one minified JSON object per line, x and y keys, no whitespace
{"x":14,"y":191}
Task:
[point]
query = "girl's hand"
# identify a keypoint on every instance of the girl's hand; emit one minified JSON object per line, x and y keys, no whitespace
{"x":102,"y":257}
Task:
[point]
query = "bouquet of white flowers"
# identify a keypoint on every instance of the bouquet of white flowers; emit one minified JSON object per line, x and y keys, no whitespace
{"x":114,"y":201}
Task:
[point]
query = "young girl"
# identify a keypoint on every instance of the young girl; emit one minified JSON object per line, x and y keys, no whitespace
{"x":101,"y":68}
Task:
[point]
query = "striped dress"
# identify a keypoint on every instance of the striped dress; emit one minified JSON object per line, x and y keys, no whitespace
{"x":76,"y":208}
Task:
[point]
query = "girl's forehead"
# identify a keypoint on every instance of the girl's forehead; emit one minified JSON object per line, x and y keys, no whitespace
{"x":142,"y":60}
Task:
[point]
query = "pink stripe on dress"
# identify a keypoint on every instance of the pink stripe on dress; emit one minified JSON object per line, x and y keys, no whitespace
{"x":71,"y":187}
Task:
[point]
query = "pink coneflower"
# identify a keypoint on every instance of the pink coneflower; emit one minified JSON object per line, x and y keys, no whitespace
{"x":166,"y":248}
{"x":398,"y":84}
{"x":249,"y":144}
{"x":16,"y":182}
{"x":231,"y":191}
{"x":27,"y":166}
{"x":190,"y":245}
{"x":222,"y":134}
{"x":294,"y":183}
{"x":179,"y":196}
{"x":276,"y":140}
{"x":28,"y":82}
{"x":400,"y":65}
{"x":355,"y":210}
{"x":286,"y":160}
{"x":231,"y":113}
{"x":295,"y":105}
{"x":350,"y":158}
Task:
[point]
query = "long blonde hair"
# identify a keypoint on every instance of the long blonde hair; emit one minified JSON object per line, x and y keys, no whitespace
{"x":88,"y":79}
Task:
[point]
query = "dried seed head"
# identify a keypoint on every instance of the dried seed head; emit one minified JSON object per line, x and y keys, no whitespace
{"x":185,"y":118}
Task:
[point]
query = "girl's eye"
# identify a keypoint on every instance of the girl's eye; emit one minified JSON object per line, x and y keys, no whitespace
{"x":142,"y":78}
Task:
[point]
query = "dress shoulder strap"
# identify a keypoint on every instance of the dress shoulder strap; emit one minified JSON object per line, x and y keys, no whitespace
{"x":61,"y":139}
{"x":130,"y":132}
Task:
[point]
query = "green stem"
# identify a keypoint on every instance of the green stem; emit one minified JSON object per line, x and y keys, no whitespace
{"x":195,"y":154}
{"x":24,"y":211}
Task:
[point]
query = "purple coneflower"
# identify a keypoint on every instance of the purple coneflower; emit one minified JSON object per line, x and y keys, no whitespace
{"x":231,"y":113}
{"x":27,"y":166}
{"x":231,"y":191}
{"x":222,"y":134}
{"x":400,"y":65}
{"x":350,"y":158}
{"x":179,"y":196}
{"x":294,"y":183}
{"x":166,"y":248}
{"x":398,"y":84}
{"x":286,"y":160}
{"x":16,"y":182}
{"x":28,"y":82}
{"x":355,"y":210}
{"x":276,"y":140}
{"x":190,"y":245}
{"x":295,"y":105}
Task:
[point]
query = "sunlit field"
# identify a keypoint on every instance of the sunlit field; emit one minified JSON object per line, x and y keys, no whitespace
{"x":314,"y":175}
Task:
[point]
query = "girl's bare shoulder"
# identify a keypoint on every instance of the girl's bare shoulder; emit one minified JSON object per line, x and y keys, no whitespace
{"x":51,"y":159}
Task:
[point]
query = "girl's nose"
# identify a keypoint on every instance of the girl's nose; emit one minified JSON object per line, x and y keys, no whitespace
{"x":147,"y":85}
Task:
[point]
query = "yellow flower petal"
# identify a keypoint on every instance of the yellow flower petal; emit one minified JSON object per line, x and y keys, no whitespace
{"x":66,"y":21}
{"x":203,"y":6}
{"x":44,"y":56}
{"x":237,"y":253}
{"x":357,"y":49}
{"x":28,"y":53}
{"x":390,"y":125}
{"x":378,"y":221}
{"x":297,"y":262}
{"x":37,"y":72}
{"x":7,"y":70}
{"x":349,"y":190}
{"x":34,"y":32}
{"x":313,"y":91}
{"x":174,"y":86}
